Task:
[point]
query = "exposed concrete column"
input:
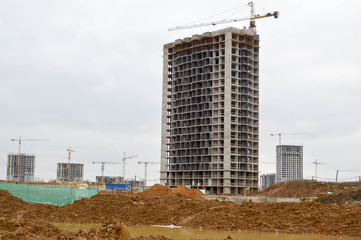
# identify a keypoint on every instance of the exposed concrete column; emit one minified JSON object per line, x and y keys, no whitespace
{"x":163,"y":175}
{"x":227,"y":113}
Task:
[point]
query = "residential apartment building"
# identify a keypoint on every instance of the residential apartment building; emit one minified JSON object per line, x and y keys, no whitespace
{"x":210,"y":112}
{"x":75,"y":173}
{"x":289,"y":164}
{"x":25,"y":168}
{"x":267,"y":180}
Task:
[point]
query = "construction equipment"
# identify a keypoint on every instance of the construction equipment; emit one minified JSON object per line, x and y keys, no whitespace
{"x":125,"y":158}
{"x":69,"y":155}
{"x":20,"y":140}
{"x":145,"y":170}
{"x":316,"y":164}
{"x":101,"y":178}
{"x":281,"y":134}
{"x":252,"y":17}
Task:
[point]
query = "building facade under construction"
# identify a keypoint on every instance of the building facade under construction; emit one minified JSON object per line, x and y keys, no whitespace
{"x":210,"y":112}
{"x":289,"y":163}
{"x":109,"y":179}
{"x":25,"y":171}
{"x":75,"y":173}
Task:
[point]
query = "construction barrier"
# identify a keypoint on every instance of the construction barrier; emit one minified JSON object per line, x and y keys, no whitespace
{"x":48,"y":194}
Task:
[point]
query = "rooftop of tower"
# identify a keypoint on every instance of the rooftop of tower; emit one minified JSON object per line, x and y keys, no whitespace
{"x":214,"y":33}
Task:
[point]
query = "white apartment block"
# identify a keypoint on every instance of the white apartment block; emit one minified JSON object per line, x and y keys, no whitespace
{"x":289,"y":163}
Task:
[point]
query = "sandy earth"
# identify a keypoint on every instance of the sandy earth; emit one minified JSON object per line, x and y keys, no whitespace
{"x":183,"y":207}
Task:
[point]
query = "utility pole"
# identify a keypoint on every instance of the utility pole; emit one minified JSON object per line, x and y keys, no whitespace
{"x":19,"y":148}
{"x":69,"y":155}
{"x":145,"y":170}
{"x":125,"y":158}
{"x":316,"y":164}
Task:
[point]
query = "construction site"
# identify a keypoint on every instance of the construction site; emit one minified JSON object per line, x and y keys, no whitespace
{"x":210,"y":185}
{"x":333,"y":213}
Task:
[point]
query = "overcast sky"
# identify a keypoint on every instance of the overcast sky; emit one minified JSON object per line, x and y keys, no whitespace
{"x":88,"y":75}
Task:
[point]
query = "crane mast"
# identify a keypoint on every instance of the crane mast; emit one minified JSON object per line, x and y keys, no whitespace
{"x":102,"y":168}
{"x":316,"y":164}
{"x":145,"y":170}
{"x":69,"y":156}
{"x":125,"y":158}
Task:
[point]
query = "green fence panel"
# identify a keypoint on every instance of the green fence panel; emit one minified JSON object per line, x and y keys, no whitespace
{"x":48,"y":194}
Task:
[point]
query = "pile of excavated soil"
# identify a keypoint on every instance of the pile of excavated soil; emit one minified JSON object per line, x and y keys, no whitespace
{"x":41,"y":230}
{"x":156,"y":190}
{"x":162,"y":191}
{"x":186,"y":192}
{"x":111,"y":230}
{"x":348,"y":197}
{"x":34,"y":229}
{"x":305,"y":217}
{"x":302,"y":188}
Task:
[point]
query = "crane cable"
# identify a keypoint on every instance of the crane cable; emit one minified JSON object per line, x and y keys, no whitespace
{"x":233,"y":9}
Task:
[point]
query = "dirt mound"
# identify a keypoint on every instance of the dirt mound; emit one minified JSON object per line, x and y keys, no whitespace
{"x":22,"y":229}
{"x":162,"y":191}
{"x":156,"y":190}
{"x":186,"y":192}
{"x":305,"y":217}
{"x":348,"y":197}
{"x":113,"y":230}
{"x":303,"y":188}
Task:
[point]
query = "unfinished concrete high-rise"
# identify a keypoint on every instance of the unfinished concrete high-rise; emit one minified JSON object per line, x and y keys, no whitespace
{"x":210,"y":112}
{"x":289,"y":165}
{"x":26,"y":170}
{"x":76,"y":172}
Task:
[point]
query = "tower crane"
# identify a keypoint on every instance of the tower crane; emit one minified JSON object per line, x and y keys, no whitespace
{"x":145,"y":170}
{"x":125,"y":158}
{"x":252,"y":17}
{"x":20,"y":140}
{"x":69,"y":156}
{"x":282,"y":134}
{"x":102,"y":163}
{"x":316,"y":164}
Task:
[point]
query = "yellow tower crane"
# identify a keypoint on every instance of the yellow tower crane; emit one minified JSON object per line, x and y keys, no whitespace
{"x":252,"y":17}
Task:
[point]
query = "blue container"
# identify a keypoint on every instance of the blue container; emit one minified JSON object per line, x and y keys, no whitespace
{"x":119,"y":187}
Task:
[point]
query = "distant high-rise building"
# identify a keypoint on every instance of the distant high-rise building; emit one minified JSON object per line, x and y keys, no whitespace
{"x":210,"y":112}
{"x":289,"y":163}
{"x":76,"y":172}
{"x":267,"y":180}
{"x":26,"y":170}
